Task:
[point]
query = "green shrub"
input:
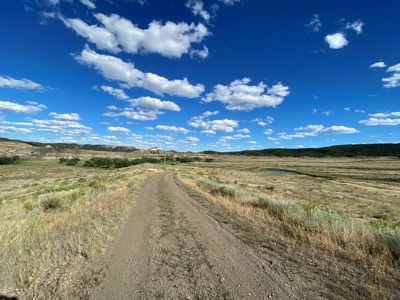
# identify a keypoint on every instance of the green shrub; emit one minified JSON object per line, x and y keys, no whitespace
{"x":62,"y":160}
{"x":382,"y":221}
{"x":6,"y":160}
{"x":188,"y":159}
{"x":271,"y":188}
{"x":97,"y":184}
{"x":29,"y":206}
{"x":104,"y":162}
{"x":89,"y":163}
{"x":391,"y":237}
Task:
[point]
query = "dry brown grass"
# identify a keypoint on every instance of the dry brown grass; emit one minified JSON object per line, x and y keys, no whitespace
{"x":361,"y":188}
{"x":52,"y":215}
{"x":288,"y":221}
{"x":355,"y":241}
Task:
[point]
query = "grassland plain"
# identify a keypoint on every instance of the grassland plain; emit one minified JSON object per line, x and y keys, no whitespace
{"x":342,"y":217}
{"x":54,"y":216}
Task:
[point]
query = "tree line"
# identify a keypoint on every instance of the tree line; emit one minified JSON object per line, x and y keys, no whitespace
{"x":106,"y":162}
{"x":332,"y":151}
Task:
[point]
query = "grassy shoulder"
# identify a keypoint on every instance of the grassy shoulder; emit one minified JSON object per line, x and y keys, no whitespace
{"x":52,"y":215}
{"x":354,"y":259}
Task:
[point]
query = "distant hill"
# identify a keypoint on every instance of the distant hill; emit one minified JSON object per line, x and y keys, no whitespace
{"x":77,"y":146}
{"x":332,"y":151}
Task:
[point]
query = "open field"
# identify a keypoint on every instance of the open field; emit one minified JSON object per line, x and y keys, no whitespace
{"x":362,"y":188}
{"x":56,"y":217}
{"x":346,"y":226}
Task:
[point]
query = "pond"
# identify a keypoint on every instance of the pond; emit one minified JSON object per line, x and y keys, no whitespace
{"x":279,"y":172}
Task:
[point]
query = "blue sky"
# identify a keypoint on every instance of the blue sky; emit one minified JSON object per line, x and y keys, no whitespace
{"x":193,"y":75}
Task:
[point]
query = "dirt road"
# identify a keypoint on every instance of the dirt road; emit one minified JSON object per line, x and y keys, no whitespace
{"x":170,"y":248}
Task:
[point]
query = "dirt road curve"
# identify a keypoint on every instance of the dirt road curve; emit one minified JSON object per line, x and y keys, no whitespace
{"x":170,"y":248}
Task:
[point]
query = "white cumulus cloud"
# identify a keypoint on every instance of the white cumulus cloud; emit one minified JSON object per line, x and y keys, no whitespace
{"x":103,"y":39}
{"x":190,"y":140}
{"x":13,"y":130}
{"x":32,"y":108}
{"x":208,"y":131}
{"x":241,"y":96}
{"x":262,"y":122}
{"x":380,"y":121}
{"x":339,"y":130}
{"x":140,"y":114}
{"x":236,"y":137}
{"x":315,"y":130}
{"x":119,"y":34}
{"x":395,"y":68}
{"x":114,"y":68}
{"x":121,"y":130}
{"x":212,"y":126}
{"x":59,"y":127}
{"x":19,"y":83}
{"x":379,"y":64}
{"x":154,"y":103}
{"x":336,"y":40}
{"x":172,"y":129}
{"x":268,"y":131}
{"x":383,"y":119}
{"x":394,"y":80}
{"x":65,"y":117}
{"x":244,"y":130}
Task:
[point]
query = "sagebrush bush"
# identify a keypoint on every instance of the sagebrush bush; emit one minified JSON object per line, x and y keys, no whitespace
{"x":51,"y":203}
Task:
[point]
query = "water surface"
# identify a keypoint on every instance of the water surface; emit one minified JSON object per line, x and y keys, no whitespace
{"x":279,"y":172}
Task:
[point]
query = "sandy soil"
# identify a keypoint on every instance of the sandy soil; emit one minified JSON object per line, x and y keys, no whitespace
{"x":171,"y":248}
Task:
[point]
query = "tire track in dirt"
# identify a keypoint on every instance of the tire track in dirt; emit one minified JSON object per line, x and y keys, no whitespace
{"x":127,"y":274}
{"x":170,"y":248}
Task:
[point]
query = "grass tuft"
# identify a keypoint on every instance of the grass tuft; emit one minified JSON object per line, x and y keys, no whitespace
{"x":51,"y":203}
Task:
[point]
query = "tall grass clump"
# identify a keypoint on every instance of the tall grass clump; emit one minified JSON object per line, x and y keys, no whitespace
{"x":314,"y":224}
{"x":58,"y":224}
{"x":52,"y":203}
{"x":391,"y":237}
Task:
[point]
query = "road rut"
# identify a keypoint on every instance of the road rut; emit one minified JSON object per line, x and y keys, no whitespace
{"x":170,"y":248}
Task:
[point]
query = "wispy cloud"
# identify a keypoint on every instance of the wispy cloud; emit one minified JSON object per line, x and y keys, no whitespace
{"x":24,"y":84}
{"x":379,"y":64}
{"x":383,"y":119}
{"x":356,"y":26}
{"x":315,"y":24}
